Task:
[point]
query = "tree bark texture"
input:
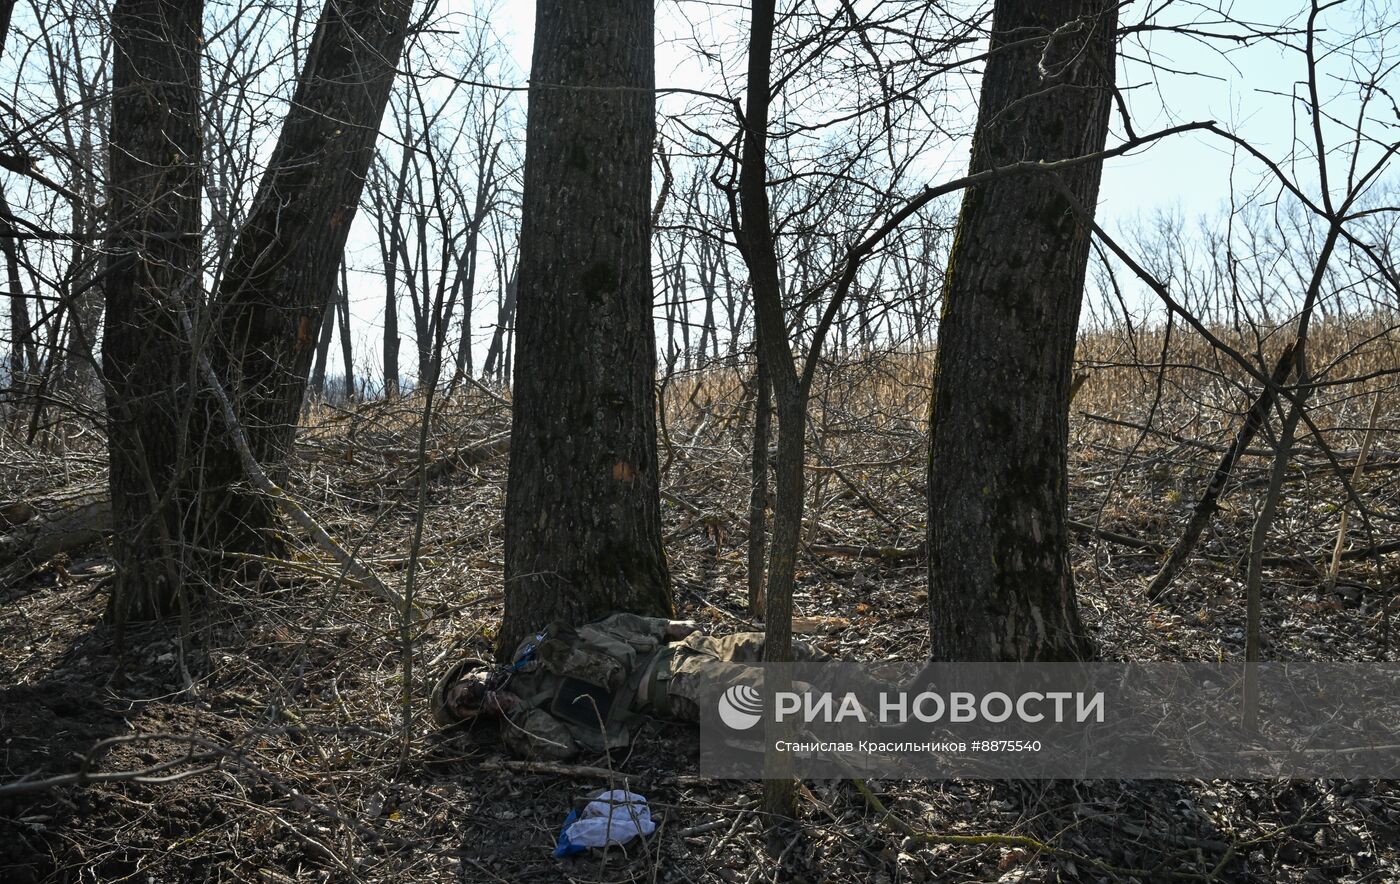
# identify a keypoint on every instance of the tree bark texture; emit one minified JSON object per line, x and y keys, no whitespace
{"x":1001,"y":587}
{"x":283,"y":268}
{"x":582,"y":515}
{"x":152,"y":272}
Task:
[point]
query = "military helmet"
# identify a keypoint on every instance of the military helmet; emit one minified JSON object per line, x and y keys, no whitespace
{"x":475,"y":668}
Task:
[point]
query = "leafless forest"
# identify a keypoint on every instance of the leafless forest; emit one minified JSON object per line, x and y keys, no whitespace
{"x":344,"y":339}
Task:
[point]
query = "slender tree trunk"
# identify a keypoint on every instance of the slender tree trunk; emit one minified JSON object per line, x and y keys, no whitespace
{"x":284,"y":262}
{"x":758,"y":487}
{"x":323,"y":346}
{"x":1000,"y":584}
{"x":1210,"y":498}
{"x":582,"y":515}
{"x":707,"y":274}
{"x":78,"y":370}
{"x":21,"y":338}
{"x":498,"y":355}
{"x":462,"y":363}
{"x":760,"y":253}
{"x":486,"y":185}
{"x":418,"y":297}
{"x":789,"y":390}
{"x":390,"y":242}
{"x":1259,"y":538}
{"x":683,"y":307}
{"x":152,"y":273}
{"x":347,"y":348}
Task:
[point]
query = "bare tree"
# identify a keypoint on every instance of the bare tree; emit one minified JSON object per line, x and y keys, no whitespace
{"x":489,"y":181}
{"x":283,"y":266}
{"x":342,"y":309}
{"x":1000,"y":584}
{"x":582,"y":520}
{"x":152,"y":275}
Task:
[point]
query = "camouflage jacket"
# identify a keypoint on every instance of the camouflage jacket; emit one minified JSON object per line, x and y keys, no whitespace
{"x":579,"y":685}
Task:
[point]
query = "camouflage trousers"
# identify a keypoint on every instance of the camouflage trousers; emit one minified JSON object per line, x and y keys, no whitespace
{"x":707,"y":664}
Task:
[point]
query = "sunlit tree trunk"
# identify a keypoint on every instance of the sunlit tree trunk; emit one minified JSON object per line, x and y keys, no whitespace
{"x":582,"y":516}
{"x":283,"y":268}
{"x":1001,"y":588}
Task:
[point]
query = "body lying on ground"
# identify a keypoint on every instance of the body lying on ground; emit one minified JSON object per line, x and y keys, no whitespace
{"x":587,"y":687}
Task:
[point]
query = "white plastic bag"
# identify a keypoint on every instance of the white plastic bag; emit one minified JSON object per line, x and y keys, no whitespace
{"x":612,"y":817}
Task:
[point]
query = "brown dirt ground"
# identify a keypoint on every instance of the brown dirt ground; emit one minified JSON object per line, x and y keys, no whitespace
{"x":277,"y":705}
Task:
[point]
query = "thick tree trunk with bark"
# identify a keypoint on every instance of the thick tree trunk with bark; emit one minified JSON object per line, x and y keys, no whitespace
{"x":1001,"y":588}
{"x":152,"y":273}
{"x":283,"y":268}
{"x":582,"y":517}
{"x":7,"y":8}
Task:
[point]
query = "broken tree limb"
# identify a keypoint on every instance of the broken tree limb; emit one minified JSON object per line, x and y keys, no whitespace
{"x":36,"y":530}
{"x":470,"y":456}
{"x":906,"y":553}
{"x":1023,"y":842}
{"x":855,"y":551}
{"x":1210,"y":500}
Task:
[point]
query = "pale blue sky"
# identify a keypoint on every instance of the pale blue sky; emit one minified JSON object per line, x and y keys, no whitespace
{"x":1238,"y":89}
{"x":1246,"y":89}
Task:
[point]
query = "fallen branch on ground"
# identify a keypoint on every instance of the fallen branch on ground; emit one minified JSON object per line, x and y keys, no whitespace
{"x":1023,"y":841}
{"x":39,"y":529}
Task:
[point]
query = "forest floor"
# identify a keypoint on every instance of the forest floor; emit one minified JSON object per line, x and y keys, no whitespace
{"x":269,"y":721}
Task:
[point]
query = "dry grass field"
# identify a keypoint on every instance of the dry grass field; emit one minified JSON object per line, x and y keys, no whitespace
{"x":272,"y":743}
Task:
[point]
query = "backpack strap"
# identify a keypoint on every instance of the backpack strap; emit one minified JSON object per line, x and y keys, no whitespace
{"x":654,"y":691}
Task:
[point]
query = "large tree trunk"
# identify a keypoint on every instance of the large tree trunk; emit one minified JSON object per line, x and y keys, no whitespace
{"x":7,"y":8}
{"x":582,"y":517}
{"x":283,"y":268}
{"x":1001,"y":588}
{"x":152,"y":273}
